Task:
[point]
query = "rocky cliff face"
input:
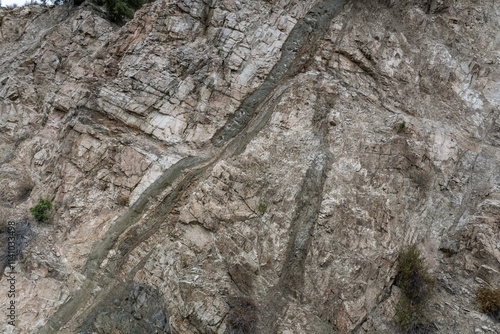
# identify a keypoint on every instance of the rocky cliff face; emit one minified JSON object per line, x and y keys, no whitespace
{"x":263,"y":159}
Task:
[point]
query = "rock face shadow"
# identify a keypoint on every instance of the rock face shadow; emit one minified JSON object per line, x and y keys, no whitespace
{"x":139,"y":309}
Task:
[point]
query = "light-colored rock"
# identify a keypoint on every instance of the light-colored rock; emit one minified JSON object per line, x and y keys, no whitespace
{"x":281,"y":151}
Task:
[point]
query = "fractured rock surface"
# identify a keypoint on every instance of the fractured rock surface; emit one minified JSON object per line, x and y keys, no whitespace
{"x":274,"y":154}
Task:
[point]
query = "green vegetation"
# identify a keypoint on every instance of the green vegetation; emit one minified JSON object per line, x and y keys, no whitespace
{"x":41,"y":211}
{"x":414,"y":280}
{"x":412,"y":317}
{"x":119,"y":10}
{"x":489,"y":302}
{"x":262,"y":207}
{"x":401,"y":127}
{"x":416,"y":289}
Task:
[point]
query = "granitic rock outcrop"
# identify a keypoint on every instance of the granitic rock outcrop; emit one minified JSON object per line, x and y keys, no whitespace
{"x":253,"y":163}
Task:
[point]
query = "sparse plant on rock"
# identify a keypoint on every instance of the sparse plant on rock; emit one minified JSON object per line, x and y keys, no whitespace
{"x":489,"y":301}
{"x":262,"y":207}
{"x":119,"y":10}
{"x":416,"y":289}
{"x":41,"y":211}
{"x":402,"y":127}
{"x":413,"y":277}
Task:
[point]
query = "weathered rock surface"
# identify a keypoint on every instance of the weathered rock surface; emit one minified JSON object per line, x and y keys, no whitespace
{"x":282,"y":151}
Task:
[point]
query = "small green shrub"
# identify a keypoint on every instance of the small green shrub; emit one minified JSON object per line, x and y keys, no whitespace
{"x":413,"y":317}
{"x":417,"y":288}
{"x":401,"y":127}
{"x":120,"y":10}
{"x":413,"y":277}
{"x":489,"y":301}
{"x":262,"y":207}
{"x":41,"y":211}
